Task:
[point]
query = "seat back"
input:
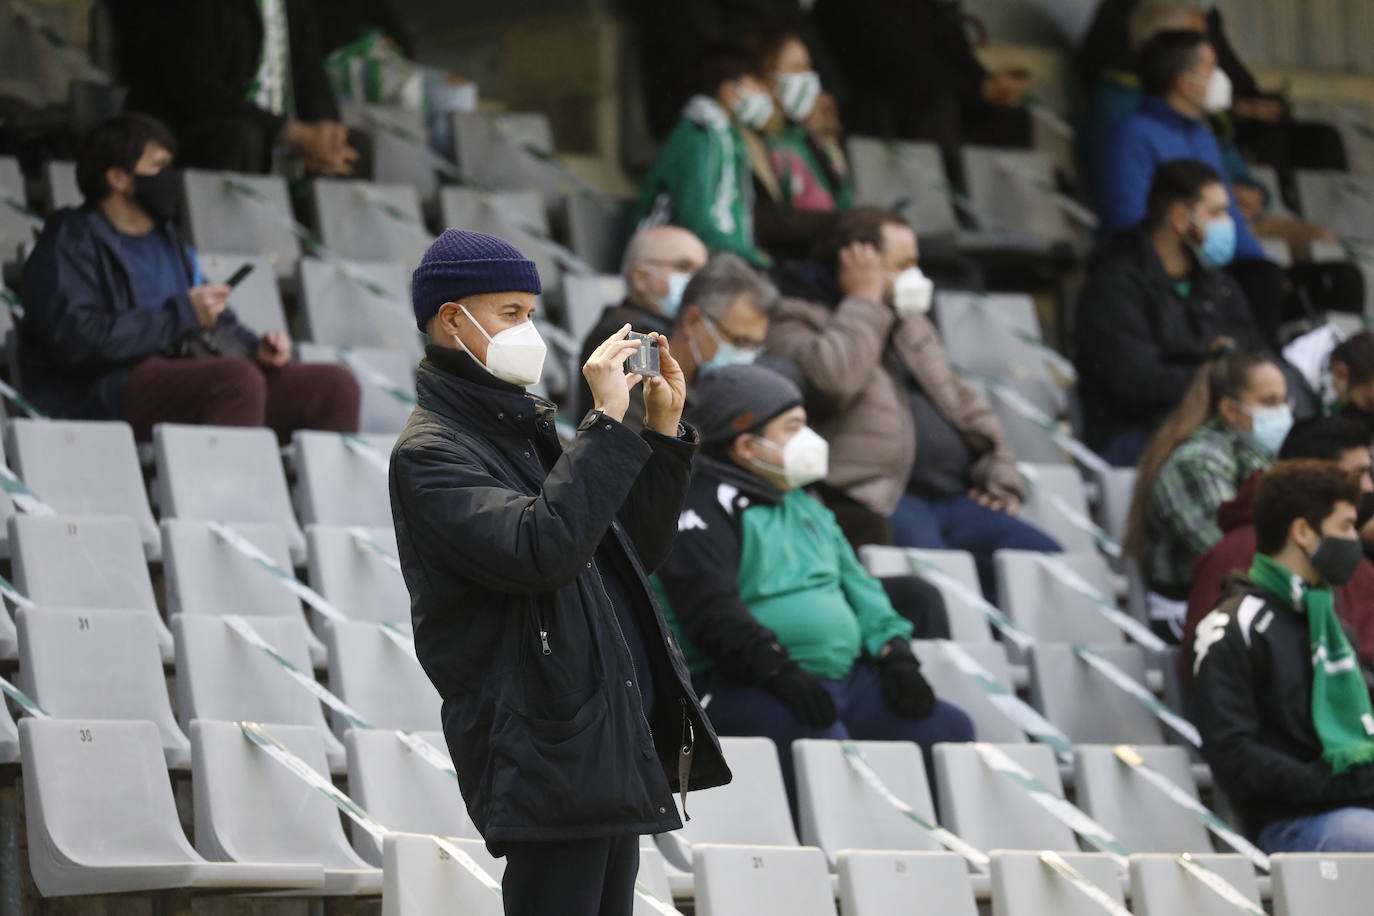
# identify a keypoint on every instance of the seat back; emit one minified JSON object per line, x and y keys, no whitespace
{"x":1013,"y":191}
{"x":81,"y":563}
{"x":954,"y":686}
{"x":99,"y":665}
{"x":224,"y":219}
{"x":761,"y":881}
{"x":1161,"y":887}
{"x":337,"y":486}
{"x":370,"y":221}
{"x":381,"y":681}
{"x":16,"y":227}
{"x":751,"y":810}
{"x":989,"y":810}
{"x":1050,"y":610}
{"x":256,"y":300}
{"x":966,"y":623}
{"x":82,"y":468}
{"x":1332,"y":885}
{"x":420,"y":879}
{"x":1022,"y":885}
{"x":1052,"y":492}
{"x":1085,"y":705}
{"x":399,"y":789}
{"x":1115,"y":796}
{"x":60,"y":178}
{"x":506,"y":151}
{"x":356,"y":581}
{"x":904,"y":176}
{"x":599,"y":228}
{"x":990,"y":334}
{"x":1341,"y":202}
{"x":381,"y":411}
{"x":584,"y":299}
{"x":901,"y":883}
{"x":359,"y":304}
{"x":838,"y":810}
{"x":206,"y":472}
{"x":240,"y":794}
{"x":205,"y":575}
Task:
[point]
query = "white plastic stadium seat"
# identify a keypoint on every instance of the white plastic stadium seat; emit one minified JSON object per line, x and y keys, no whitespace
{"x":1045,"y":607}
{"x":497,"y":150}
{"x":241,"y":793}
{"x":225,"y":474}
{"x":356,"y":581}
{"x":1011,"y":191}
{"x":876,"y":883}
{"x":1022,"y":885}
{"x":359,"y":304}
{"x":1114,"y":796}
{"x":364,"y":220}
{"x":420,"y":879}
{"x":221,"y":677}
{"x":990,"y":811}
{"x":401,"y":790}
{"x":256,"y":300}
{"x":966,"y":623}
{"x":761,"y":881}
{"x":1046,"y":487}
{"x":1161,"y":887}
{"x":337,"y":486}
{"x":585,"y":298}
{"x":987,"y":333}
{"x":229,"y":221}
{"x":59,"y":176}
{"x":954,"y":686}
{"x":904,"y":176}
{"x":84,"y":468}
{"x":380,"y":411}
{"x":16,"y":227}
{"x":1085,"y":705}
{"x":838,"y":810}
{"x":102,"y":819}
{"x":1322,"y":883}
{"x":86,"y":563}
{"x":99,"y":665}
{"x":381,"y":681}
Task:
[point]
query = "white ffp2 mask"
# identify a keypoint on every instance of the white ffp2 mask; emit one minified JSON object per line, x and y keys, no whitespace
{"x":1218,"y":91}
{"x":805,"y":458}
{"x":515,"y":355}
{"x":912,"y":292}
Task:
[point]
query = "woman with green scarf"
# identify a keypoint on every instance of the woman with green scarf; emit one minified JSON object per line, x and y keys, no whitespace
{"x":1278,"y":694}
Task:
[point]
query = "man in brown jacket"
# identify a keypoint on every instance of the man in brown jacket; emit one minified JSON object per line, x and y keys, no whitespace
{"x":879,"y":383}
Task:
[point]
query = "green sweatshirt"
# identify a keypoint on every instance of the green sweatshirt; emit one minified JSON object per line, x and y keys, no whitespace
{"x":792,"y":147}
{"x":702,"y":182}
{"x":795,"y":575}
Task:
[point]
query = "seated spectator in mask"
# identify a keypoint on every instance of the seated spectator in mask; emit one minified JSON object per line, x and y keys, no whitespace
{"x":1277,"y":693}
{"x":235,"y":80}
{"x":1230,"y":425}
{"x":119,"y":325}
{"x":1352,"y":380}
{"x":780,"y":623}
{"x":702,"y":177}
{"x":914,"y":445}
{"x":801,"y":175}
{"x":1343,"y":443}
{"x":1152,"y":307}
{"x":659,"y":262}
{"x":723,"y":321}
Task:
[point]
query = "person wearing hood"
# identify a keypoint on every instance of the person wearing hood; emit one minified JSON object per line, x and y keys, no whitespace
{"x":702,"y":177}
{"x":1277,"y":693}
{"x":882,"y":391}
{"x":1345,"y":444}
{"x":1352,"y":380}
{"x":567,"y":708}
{"x":779,"y":621}
{"x":120,"y":324}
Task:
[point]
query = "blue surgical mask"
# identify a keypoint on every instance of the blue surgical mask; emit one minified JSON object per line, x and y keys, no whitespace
{"x":1269,"y":426}
{"x":1218,"y":246}
{"x":727,"y":353}
{"x":671,"y":301}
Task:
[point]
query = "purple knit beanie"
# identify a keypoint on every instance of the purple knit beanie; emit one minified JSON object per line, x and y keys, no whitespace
{"x":461,"y":263}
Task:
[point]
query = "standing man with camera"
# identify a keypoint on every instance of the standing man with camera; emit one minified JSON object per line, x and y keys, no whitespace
{"x":567,"y":707}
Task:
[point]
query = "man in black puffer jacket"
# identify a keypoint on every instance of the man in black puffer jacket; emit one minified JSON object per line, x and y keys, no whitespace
{"x":568,"y":709}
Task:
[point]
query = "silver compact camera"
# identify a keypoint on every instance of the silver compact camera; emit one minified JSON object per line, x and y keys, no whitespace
{"x":643,"y":361}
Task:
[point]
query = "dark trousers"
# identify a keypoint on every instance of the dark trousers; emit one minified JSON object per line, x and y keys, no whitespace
{"x":959,"y":523}
{"x":739,"y":709}
{"x":921,"y":603}
{"x":231,"y":391}
{"x":591,"y":877}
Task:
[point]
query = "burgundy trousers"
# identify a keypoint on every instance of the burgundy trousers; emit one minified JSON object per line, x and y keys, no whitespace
{"x":232,"y":391}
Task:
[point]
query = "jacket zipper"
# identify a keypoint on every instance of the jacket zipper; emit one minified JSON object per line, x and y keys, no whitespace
{"x":634,"y":673}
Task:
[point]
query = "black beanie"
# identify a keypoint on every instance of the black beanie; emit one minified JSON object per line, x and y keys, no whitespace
{"x":733,"y":400}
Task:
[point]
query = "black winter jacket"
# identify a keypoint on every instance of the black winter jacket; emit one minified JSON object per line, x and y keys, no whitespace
{"x":83,"y":328}
{"x":498,"y":528}
{"x":1138,"y":342}
{"x":1251,"y":698}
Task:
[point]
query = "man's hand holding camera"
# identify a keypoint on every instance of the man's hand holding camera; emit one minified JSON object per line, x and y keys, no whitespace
{"x":664,"y":394}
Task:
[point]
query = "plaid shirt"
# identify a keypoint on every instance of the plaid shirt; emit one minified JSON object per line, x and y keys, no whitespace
{"x":1204,"y":471}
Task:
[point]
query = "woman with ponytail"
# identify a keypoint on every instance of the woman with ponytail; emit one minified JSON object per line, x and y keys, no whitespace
{"x":1230,"y":425}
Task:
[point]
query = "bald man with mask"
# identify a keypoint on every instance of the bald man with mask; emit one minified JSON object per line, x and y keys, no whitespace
{"x":658,"y":263}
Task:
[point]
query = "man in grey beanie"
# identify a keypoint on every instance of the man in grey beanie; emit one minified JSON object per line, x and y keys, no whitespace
{"x":567,"y":707}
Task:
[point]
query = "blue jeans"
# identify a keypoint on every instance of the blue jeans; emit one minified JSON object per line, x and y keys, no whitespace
{"x":738,"y":709}
{"x":959,"y":523}
{"x":1341,"y":830}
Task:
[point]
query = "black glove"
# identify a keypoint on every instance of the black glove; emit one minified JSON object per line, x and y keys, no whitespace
{"x":904,"y":687}
{"x":804,"y":694}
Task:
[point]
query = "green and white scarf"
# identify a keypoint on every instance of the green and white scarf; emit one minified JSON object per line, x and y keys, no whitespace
{"x":1340,"y":700}
{"x":270,"y":84}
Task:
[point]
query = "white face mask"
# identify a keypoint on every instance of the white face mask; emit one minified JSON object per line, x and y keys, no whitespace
{"x":798,"y":92}
{"x":515,"y":355}
{"x":671,"y":302}
{"x":912,"y":292}
{"x":1218,"y":91}
{"x":752,"y":108}
{"x":805,"y":458}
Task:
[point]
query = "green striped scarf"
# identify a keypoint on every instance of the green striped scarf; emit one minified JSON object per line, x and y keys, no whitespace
{"x":1340,"y":700}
